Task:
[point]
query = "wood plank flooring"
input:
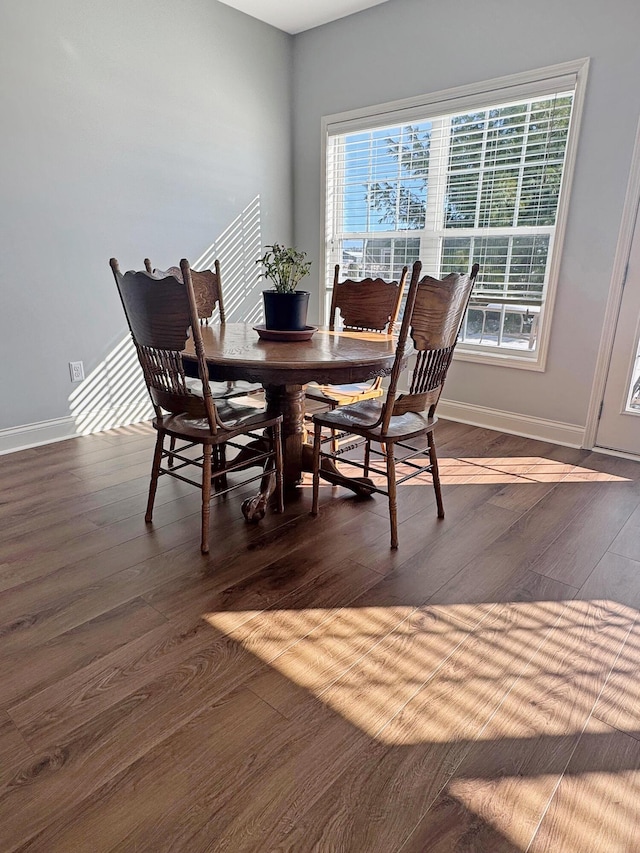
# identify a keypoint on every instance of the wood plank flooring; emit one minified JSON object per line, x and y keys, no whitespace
{"x":304,"y":688}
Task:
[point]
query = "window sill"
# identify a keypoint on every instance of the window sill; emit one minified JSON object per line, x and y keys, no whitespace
{"x":498,"y":359}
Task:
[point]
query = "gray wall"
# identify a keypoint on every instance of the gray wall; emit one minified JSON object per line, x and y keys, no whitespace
{"x":130,"y":128}
{"x":411,"y":47}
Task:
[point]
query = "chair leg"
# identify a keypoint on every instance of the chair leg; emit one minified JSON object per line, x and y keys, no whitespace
{"x":334,"y":436}
{"x":367,"y":457}
{"x":206,"y":497}
{"x":219,"y":464}
{"x":277,"y":441}
{"x":172,"y":447}
{"x":391,"y":485}
{"x":433,"y":458}
{"x":317,"y":436}
{"x":155,"y":473}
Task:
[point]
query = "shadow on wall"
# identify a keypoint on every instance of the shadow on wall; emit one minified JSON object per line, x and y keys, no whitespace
{"x":114,"y":394}
{"x":238,"y":249}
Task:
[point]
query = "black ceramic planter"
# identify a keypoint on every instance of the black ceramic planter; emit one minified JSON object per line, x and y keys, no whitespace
{"x":285,"y":312}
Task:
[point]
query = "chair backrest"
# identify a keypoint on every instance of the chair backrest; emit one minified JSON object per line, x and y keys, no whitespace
{"x":432,"y":318}
{"x":370,"y":304}
{"x":207,"y":286}
{"x":160,"y":312}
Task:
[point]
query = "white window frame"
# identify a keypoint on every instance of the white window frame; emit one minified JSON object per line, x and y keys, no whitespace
{"x":567,"y":76}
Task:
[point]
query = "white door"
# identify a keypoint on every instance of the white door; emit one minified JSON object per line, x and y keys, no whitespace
{"x":619,"y":426}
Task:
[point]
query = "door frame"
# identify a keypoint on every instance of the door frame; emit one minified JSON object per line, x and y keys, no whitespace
{"x":614,"y":300}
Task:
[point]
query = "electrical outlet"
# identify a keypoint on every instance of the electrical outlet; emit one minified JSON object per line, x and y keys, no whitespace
{"x":76,"y":369}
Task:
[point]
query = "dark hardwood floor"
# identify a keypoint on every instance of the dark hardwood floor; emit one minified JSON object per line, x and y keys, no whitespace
{"x":304,"y":688}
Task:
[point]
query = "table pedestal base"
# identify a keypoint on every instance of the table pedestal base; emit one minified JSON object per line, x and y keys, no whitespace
{"x":288,"y":400}
{"x":297,"y":453}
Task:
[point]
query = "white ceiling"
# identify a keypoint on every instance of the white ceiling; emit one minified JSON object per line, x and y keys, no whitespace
{"x":294,"y":16}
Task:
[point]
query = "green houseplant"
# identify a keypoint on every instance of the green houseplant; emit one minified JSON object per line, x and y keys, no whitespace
{"x":285,"y":308}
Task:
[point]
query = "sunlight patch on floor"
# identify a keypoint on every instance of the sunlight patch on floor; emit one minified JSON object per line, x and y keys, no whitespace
{"x":518,"y":469}
{"x":505,"y":702}
{"x":590,"y":810}
{"x":466,"y":470}
{"x":369,"y":664}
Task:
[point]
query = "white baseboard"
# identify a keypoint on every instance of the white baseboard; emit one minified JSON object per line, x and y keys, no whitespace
{"x":528,"y":426}
{"x":61,"y":429}
{"x":634,"y":457}
{"x":31,"y":435}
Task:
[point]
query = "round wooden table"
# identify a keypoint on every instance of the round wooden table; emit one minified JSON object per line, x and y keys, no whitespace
{"x":283,"y":368}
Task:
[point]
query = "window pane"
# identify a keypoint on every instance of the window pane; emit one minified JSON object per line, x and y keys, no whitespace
{"x":498,"y":198}
{"x":511,"y":267}
{"x":465,"y":159}
{"x":505,"y":136}
{"x":456,"y":255}
{"x":505,"y":165}
{"x":378,"y":258}
{"x":385,"y":179}
{"x":528,"y":264}
{"x":462,"y":199}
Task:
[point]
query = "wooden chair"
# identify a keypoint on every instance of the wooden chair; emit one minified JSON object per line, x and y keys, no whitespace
{"x":207,"y":287}
{"x":160,"y":312}
{"x":432,"y":318}
{"x":368,"y":305}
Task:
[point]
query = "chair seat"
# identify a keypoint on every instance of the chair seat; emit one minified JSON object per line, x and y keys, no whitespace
{"x":240,"y":385}
{"x":342,"y":395}
{"x":236,"y":417}
{"x":359,"y":418}
{"x":223,"y":390}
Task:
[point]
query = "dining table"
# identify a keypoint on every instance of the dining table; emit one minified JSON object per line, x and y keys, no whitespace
{"x":235,"y":351}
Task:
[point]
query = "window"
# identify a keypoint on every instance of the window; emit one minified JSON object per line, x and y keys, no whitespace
{"x":475,"y":175}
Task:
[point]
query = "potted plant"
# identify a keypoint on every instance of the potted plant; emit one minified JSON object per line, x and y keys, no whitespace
{"x":285,"y":308}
